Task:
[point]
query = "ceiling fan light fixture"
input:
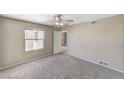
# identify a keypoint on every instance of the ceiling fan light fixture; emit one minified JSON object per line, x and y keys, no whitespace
{"x":59,"y":24}
{"x":56,"y":23}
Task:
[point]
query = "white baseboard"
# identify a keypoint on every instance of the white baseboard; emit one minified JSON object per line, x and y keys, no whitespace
{"x":6,"y":67}
{"x":9,"y":66}
{"x":99,"y":64}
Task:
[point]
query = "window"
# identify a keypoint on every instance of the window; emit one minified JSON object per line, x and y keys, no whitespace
{"x":34,"y":39}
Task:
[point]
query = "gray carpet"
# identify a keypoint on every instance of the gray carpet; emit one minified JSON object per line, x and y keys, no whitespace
{"x":59,"y":67}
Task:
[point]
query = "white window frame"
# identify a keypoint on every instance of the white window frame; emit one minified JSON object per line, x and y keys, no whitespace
{"x":34,"y":39}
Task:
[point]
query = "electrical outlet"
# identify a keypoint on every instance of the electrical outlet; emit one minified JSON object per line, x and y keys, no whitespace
{"x":103,"y":63}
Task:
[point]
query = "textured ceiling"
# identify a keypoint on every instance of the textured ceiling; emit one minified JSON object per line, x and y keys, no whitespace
{"x":48,"y":19}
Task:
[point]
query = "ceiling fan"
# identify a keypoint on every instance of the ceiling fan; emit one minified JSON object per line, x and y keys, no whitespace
{"x":59,"y":22}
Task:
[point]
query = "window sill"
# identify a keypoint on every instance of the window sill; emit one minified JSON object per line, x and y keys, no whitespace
{"x":35,"y":50}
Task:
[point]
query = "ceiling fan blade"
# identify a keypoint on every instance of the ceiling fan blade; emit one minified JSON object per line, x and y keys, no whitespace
{"x":69,"y":20}
{"x":58,"y":17}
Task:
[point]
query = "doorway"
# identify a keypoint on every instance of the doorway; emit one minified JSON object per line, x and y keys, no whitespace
{"x":60,"y":41}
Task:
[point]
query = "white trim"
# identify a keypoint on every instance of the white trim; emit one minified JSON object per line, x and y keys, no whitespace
{"x":99,"y":64}
{"x":34,"y":39}
{"x":6,"y":67}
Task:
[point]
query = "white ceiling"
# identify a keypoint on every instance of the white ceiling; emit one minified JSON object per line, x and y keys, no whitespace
{"x":48,"y":19}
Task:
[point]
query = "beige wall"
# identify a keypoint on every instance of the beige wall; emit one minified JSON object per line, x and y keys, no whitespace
{"x":12,"y":46}
{"x":103,"y":41}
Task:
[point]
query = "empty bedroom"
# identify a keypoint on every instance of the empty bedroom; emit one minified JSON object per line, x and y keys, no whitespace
{"x":61,"y":46}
